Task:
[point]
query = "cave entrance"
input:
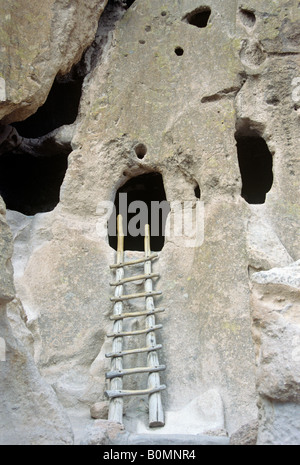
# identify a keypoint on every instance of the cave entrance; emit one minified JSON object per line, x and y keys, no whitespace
{"x":60,"y":108}
{"x":142,"y":200}
{"x":256,"y":166}
{"x":31,"y":184}
{"x":31,"y":175}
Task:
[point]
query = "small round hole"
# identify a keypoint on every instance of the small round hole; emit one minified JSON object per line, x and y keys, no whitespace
{"x":179,"y":51}
{"x":142,"y":41}
{"x":148,"y":28}
{"x":140,"y":151}
{"x":164,"y":13}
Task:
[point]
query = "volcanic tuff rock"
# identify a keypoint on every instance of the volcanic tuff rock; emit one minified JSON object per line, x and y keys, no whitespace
{"x":38,"y":41}
{"x":276,"y":332}
{"x":23,"y":391}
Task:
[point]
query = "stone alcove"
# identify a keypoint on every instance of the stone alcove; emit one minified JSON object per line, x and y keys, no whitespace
{"x":256,"y":165}
{"x":144,"y":190}
{"x":199,"y":17}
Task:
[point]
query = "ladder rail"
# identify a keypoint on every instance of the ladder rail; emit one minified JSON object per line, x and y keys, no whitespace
{"x":116,"y":404}
{"x":156,"y":412}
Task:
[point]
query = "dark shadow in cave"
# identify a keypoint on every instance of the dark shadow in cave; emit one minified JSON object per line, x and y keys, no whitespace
{"x":128,"y":3}
{"x":256,"y":166}
{"x":198,"y":17}
{"x":149,"y":189}
{"x":197,"y":191}
{"x":31,"y":184}
{"x":60,"y":108}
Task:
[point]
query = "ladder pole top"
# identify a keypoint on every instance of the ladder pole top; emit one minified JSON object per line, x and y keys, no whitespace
{"x":120,"y":248}
{"x":147,"y":240}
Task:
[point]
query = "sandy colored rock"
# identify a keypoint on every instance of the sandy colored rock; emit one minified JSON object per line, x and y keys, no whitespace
{"x":203,"y":415}
{"x":49,"y":38}
{"x":279,"y":423}
{"x":276,"y":300}
{"x":102,"y":432}
{"x":7,"y":290}
{"x":245,"y":436}
{"x":99,"y":410}
{"x":23,"y":391}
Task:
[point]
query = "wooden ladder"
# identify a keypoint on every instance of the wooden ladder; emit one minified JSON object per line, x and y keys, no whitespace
{"x":116,"y":393}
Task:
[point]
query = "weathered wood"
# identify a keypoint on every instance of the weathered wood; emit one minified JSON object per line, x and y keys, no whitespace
{"x":134,"y":262}
{"x":116,"y":404}
{"x":143,"y":392}
{"x":135,"y":278}
{"x":134,"y":351}
{"x":156,"y":412}
{"x":116,"y":392}
{"x":136,"y":314}
{"x":135,"y":296}
{"x":135,"y":333}
{"x":133,"y":371}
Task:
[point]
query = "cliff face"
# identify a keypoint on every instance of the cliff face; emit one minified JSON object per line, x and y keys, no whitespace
{"x":208,"y":97}
{"x":39,"y":41}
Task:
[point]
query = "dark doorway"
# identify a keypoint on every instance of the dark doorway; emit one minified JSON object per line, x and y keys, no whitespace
{"x":31,"y":184}
{"x":256,"y":166}
{"x":141,"y":200}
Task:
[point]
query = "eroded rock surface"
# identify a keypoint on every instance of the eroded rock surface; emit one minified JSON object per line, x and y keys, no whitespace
{"x":39,"y":41}
{"x":29,"y":410}
{"x":276,"y":304}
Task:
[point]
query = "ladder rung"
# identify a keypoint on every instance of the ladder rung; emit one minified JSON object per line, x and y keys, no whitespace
{"x":143,"y":392}
{"x":135,"y":333}
{"x":135,"y":278}
{"x":136,"y":314}
{"x":132,"y":371}
{"x":134,"y":262}
{"x":134,"y":351}
{"x":135,"y":296}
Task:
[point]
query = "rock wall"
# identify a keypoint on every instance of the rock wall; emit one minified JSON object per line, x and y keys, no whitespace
{"x":39,"y":41}
{"x":188,"y":94}
{"x":30,"y":411}
{"x":275,"y":296}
